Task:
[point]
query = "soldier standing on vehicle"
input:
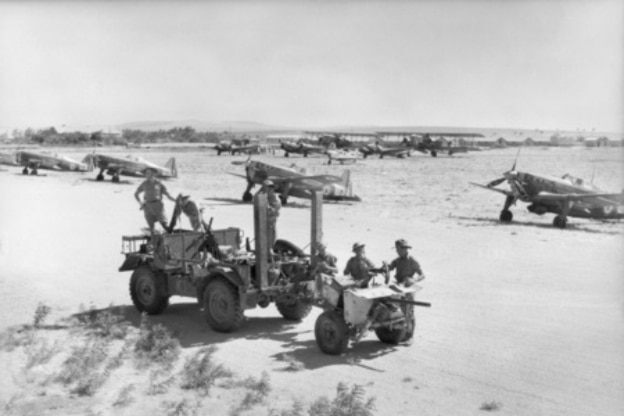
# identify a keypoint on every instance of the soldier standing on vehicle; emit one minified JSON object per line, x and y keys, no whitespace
{"x":152,"y":205}
{"x":406,"y":266}
{"x":273,"y":208}
{"x":359,"y":266}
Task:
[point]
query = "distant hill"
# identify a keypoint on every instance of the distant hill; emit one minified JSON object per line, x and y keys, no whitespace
{"x":203,"y":126}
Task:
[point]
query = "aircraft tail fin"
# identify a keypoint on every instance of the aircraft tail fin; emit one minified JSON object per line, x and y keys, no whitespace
{"x":88,"y":160}
{"x":171,"y":165}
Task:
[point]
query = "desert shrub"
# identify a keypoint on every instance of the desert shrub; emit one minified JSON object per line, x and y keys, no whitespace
{"x":41,"y":313}
{"x":159,"y":382}
{"x":155,"y":345}
{"x":296,"y":410}
{"x":180,"y":408}
{"x":200,"y":372}
{"x":40,"y":352}
{"x":16,"y":337}
{"x":490,"y":406}
{"x":257,"y":391}
{"x":348,"y":402}
{"x":125,"y":397}
{"x":109,"y":323}
{"x":85,"y":368}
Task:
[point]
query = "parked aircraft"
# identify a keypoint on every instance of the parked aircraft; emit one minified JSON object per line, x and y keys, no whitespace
{"x":567,"y":197}
{"x":425,"y":144}
{"x":292,"y":182}
{"x":8,"y":159}
{"x":341,"y":156}
{"x":129,"y":166}
{"x":301,"y":148}
{"x":245,"y":146}
{"x":44,"y":160}
{"x":377,"y":149}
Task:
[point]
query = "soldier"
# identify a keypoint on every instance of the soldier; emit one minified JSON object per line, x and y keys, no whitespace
{"x":406,"y":266}
{"x":273,"y":208}
{"x":152,"y":205}
{"x":359,"y":267}
{"x":325,"y":262}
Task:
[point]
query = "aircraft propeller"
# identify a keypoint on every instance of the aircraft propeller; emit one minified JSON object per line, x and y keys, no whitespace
{"x":496,"y":182}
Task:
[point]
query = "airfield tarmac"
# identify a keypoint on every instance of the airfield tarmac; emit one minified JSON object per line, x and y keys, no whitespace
{"x":525,"y":315}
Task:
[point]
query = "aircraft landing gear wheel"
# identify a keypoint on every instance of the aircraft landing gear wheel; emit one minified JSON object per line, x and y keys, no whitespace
{"x":506,"y":216}
{"x":286,"y":154}
{"x":115,"y":179}
{"x":247,"y":196}
{"x":560,"y":222}
{"x":99,"y":177}
{"x":283,"y":199}
{"x":331,"y":333}
{"x":33,"y":171}
{"x":25,"y":171}
{"x":434,"y":153}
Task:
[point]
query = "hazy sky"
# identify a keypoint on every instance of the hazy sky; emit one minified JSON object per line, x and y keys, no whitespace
{"x":525,"y":64}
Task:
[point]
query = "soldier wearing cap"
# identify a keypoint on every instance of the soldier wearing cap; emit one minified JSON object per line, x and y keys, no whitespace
{"x":325,"y":262}
{"x":359,"y":266}
{"x":406,"y":266}
{"x":273,"y":208}
{"x":152,"y":204}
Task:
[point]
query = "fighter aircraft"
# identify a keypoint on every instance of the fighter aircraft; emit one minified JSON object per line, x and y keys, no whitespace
{"x":8,"y":159}
{"x":425,"y":144}
{"x":45,"y":160}
{"x":129,"y":166}
{"x":378,"y":149}
{"x":341,"y":156}
{"x":301,"y":148}
{"x":237,"y":147}
{"x":567,"y":197}
{"x":293,"y":182}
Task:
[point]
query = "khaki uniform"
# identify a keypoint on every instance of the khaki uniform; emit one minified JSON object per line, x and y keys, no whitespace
{"x":358,"y":267}
{"x":406,"y":267}
{"x":154,"y":209}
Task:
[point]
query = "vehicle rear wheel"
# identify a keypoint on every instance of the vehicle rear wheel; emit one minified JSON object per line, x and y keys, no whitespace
{"x":147,"y":290}
{"x":222,"y":308}
{"x":331,"y":333}
{"x":294,"y":310}
{"x":409,"y":330}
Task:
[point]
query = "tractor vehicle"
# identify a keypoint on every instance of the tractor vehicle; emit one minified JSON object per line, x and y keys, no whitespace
{"x":225,"y":278}
{"x":352,"y":309}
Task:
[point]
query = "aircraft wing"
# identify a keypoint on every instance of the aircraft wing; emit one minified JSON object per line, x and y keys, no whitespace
{"x":501,"y":191}
{"x":319,"y":178}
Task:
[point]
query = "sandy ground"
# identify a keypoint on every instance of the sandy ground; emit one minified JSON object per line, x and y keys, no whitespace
{"x":524,"y":315}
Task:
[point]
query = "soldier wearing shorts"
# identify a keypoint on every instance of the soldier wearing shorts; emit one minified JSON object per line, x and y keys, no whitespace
{"x":406,"y":266}
{"x":152,"y":205}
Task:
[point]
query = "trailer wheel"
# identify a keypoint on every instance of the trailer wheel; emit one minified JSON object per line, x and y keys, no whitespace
{"x":409,"y":330}
{"x":222,"y":308}
{"x":147,"y":290}
{"x":294,"y":310}
{"x":331,"y":333}
{"x":392,"y":335}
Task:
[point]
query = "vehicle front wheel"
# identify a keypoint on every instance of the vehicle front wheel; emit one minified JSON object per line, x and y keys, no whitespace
{"x":222,"y":308}
{"x":147,"y":290}
{"x":331,"y":333}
